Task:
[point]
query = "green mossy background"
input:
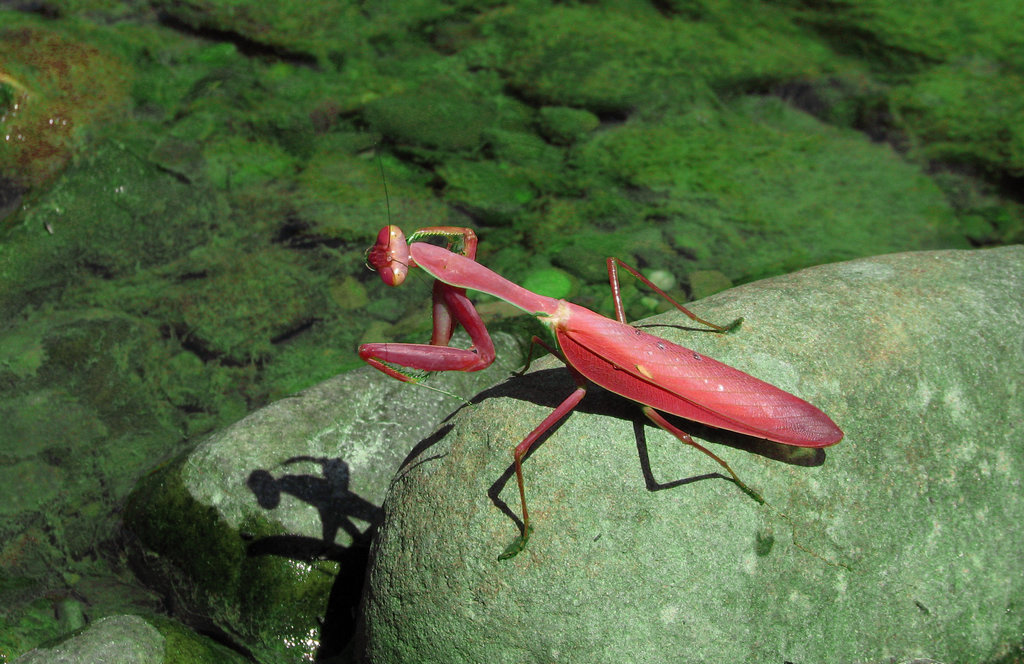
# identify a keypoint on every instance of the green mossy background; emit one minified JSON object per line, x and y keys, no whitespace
{"x":186,"y":193}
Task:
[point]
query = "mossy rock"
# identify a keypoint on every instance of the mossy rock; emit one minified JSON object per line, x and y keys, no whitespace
{"x":565,"y":125}
{"x":445,"y":119}
{"x":967,"y":113}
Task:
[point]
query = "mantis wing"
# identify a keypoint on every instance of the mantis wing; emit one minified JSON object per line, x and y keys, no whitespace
{"x":680,"y":381}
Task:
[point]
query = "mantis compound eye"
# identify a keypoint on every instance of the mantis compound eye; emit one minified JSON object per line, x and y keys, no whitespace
{"x":389,"y":256}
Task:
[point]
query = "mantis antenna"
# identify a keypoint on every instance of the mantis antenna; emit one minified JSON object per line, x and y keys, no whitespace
{"x":384,"y":181}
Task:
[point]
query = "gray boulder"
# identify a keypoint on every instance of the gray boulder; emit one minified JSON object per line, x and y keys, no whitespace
{"x":900,"y":542}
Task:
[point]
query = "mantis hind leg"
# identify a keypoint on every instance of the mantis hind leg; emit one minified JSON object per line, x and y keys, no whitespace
{"x":660,"y":420}
{"x":563,"y":409}
{"x":620,"y":311}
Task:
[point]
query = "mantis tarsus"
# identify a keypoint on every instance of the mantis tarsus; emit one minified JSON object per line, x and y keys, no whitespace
{"x":661,"y":376}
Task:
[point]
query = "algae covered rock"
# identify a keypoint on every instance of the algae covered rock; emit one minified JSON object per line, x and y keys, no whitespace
{"x":130,"y":639}
{"x":901,"y":540}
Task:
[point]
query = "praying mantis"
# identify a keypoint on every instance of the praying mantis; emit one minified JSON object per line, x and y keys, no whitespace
{"x":661,"y":376}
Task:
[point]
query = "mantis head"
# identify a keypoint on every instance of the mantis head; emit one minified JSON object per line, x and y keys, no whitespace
{"x":389,"y":256}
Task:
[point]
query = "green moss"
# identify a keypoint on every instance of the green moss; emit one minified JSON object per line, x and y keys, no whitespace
{"x":314,"y":30}
{"x":443,"y":117}
{"x":184,"y":646}
{"x":48,"y":418}
{"x":343,"y":196}
{"x":94,"y":214}
{"x":763,"y":189}
{"x":566,"y":125}
{"x":902,"y":38}
{"x":314,"y":357}
{"x":26,"y":626}
{"x":609,"y":60}
{"x":528,"y":159}
{"x":9,"y":91}
{"x":986,"y":217}
{"x":551,"y":282}
{"x":271,"y":600}
{"x":162,"y":514}
{"x":240,"y":162}
{"x":247,"y":301}
{"x":707,"y":282}
{"x":969,"y":113}
{"x":585,"y":255}
{"x":495,"y":192}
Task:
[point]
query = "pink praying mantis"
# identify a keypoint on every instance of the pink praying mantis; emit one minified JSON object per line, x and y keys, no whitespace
{"x":657,"y":374}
